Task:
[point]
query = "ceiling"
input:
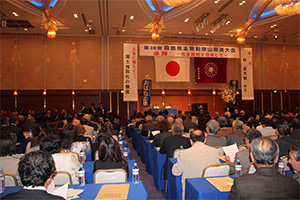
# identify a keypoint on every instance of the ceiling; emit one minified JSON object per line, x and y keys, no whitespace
{"x":112,"y":17}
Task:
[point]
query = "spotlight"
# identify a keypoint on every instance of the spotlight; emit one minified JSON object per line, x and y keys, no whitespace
{"x":205,"y":20}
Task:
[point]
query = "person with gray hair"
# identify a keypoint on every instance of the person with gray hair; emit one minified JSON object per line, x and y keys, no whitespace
{"x":224,"y":130}
{"x":170,"y":144}
{"x":148,"y":126}
{"x":237,"y":135}
{"x":266,"y":182}
{"x":212,"y":127}
{"x":295,"y":160}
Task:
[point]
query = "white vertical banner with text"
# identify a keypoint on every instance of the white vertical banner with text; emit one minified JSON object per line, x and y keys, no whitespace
{"x":130,"y":72}
{"x":247,"y":74}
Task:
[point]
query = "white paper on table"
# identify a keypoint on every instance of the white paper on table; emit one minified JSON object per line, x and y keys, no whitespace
{"x":154,"y":133}
{"x":73,"y":194}
{"x":230,"y":151}
{"x":61,"y":191}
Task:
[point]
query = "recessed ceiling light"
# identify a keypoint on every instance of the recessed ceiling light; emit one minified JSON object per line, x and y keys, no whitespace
{"x":273,"y":25}
{"x":240,"y":4}
{"x":206,"y":33}
{"x":228,"y":22}
{"x":243,"y":1}
{"x":123,"y":30}
{"x":15,"y":14}
{"x":216,"y":1}
{"x":180,"y":32}
{"x":231,"y":35}
{"x":75,"y":16}
{"x":255,"y":36}
{"x":131,"y":17}
{"x":186,"y":20}
{"x":86,"y":30}
{"x":25,"y":29}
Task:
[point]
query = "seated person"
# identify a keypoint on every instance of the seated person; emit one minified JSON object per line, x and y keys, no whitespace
{"x":8,"y":159}
{"x":284,"y":141}
{"x":192,"y":161}
{"x":35,"y":170}
{"x":110,"y":156}
{"x":212,"y":127}
{"x":266,"y":182}
{"x":164,"y":127}
{"x":237,"y":135}
{"x":63,"y":161}
{"x":244,"y":155}
{"x":35,"y":143}
{"x":69,"y":140}
{"x":295,"y":160}
{"x":105,"y":131}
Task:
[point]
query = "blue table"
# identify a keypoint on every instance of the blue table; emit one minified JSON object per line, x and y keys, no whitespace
{"x":138,"y":142}
{"x":89,"y":174}
{"x":136,"y":191}
{"x":170,"y":110}
{"x":174,"y":187}
{"x":149,"y":157}
{"x":129,"y":130}
{"x":135,"y":137}
{"x":143,"y":148}
{"x":158,"y":169}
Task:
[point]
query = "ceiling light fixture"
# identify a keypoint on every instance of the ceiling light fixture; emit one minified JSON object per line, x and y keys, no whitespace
{"x":218,"y":22}
{"x":131,"y":17}
{"x":25,"y":29}
{"x":186,"y":20}
{"x":15,"y":14}
{"x":200,"y":22}
{"x":289,"y":8}
{"x":50,"y":24}
{"x":75,"y":16}
{"x":175,"y":3}
{"x":275,"y":34}
{"x":180,"y":33}
{"x":123,"y":30}
{"x":156,"y":28}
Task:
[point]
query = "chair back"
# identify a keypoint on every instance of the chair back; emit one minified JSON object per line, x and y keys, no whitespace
{"x":242,"y":147}
{"x":221,"y":169}
{"x":273,"y":137}
{"x":10,"y":179}
{"x":74,"y":154}
{"x":285,"y":160}
{"x":176,"y":153}
{"x":110,"y":176}
{"x":62,"y":177}
{"x":251,"y":168}
{"x":220,"y":150}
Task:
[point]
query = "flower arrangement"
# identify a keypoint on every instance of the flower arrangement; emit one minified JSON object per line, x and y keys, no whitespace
{"x":228,"y":95}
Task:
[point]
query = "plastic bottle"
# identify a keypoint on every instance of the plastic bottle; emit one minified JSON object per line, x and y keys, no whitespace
{"x":180,"y":150}
{"x":30,"y":133}
{"x":87,"y":143}
{"x":238,"y":168}
{"x":253,"y":127}
{"x":125,"y":154}
{"x":121,"y":142}
{"x":81,"y":156}
{"x":2,"y":181}
{"x":81,"y":175}
{"x":281,"y":167}
{"x":94,"y":138}
{"x":135,"y":174}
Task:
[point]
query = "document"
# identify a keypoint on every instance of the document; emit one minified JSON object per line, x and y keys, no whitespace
{"x":223,"y":184}
{"x":113,"y":191}
{"x":231,"y":150}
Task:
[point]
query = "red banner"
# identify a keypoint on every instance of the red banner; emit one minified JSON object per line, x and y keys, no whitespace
{"x":210,"y":70}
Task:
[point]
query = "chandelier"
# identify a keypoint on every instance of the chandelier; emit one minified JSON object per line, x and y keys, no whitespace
{"x":50,"y":25}
{"x":289,"y":8}
{"x":175,"y":3}
{"x":155,"y":29}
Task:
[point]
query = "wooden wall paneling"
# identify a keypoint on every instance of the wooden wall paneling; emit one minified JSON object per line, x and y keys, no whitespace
{"x":276,"y":101}
{"x":114,"y":102}
{"x":31,"y":100}
{"x":285,"y":98}
{"x":257,"y":99}
{"x":7,"y":100}
{"x":105,"y":100}
{"x":87,"y":97}
{"x":267,"y":100}
{"x":123,"y":110}
{"x":294,"y":99}
{"x":60,"y":102}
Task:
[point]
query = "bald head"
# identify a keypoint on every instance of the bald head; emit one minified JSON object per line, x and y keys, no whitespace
{"x":197,"y":136}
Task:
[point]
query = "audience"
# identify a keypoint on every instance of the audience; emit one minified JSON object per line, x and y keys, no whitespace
{"x":266,"y":127}
{"x":63,"y":161}
{"x":192,"y":161}
{"x":212,"y":127}
{"x":266,"y":182}
{"x":163,"y":127}
{"x":284,"y":141}
{"x":188,"y":124}
{"x":294,"y":160}
{"x":224,"y":130}
{"x":35,"y":170}
{"x":110,"y":156}
{"x":237,"y":136}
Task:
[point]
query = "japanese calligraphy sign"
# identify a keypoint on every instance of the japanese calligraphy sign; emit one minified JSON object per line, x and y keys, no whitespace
{"x":146,"y":92}
{"x":130,"y":72}
{"x":247,"y":74}
{"x":189,"y":51}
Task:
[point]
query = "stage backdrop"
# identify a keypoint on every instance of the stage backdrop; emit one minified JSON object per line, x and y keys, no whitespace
{"x":210,"y":70}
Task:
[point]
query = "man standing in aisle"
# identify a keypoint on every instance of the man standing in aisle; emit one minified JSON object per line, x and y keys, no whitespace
{"x":170,"y":144}
{"x":266,"y":182}
{"x":101,"y":111}
{"x":192,"y":161}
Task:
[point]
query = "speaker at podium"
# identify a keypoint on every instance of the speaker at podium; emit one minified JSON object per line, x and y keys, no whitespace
{"x":196,"y":107}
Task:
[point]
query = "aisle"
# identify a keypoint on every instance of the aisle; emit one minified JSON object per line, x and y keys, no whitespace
{"x":147,"y":179}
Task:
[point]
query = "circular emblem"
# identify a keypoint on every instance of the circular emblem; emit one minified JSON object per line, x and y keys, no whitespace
{"x":211,"y":69}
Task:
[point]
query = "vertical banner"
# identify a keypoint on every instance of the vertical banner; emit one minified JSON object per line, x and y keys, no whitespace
{"x":247,"y":74}
{"x":130,"y":72}
{"x":234,"y":84}
{"x":146,"y":92}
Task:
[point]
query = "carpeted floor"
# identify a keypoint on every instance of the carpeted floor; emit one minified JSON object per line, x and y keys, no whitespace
{"x":147,"y":179}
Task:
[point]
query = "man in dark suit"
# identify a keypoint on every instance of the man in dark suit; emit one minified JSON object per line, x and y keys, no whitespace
{"x":187,"y":123}
{"x":82,"y":109}
{"x":266,"y":182}
{"x":31,"y":125}
{"x":170,"y":144}
{"x":102,"y":111}
{"x":92,"y":109}
{"x":35,"y":170}
{"x":13,"y":127}
{"x":212,"y":127}
{"x":238,"y":135}
{"x":148,"y":126}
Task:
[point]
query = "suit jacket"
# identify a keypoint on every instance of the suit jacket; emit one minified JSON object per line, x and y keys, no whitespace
{"x":297,"y":177}
{"x":159,"y":138}
{"x":244,"y":156}
{"x":192,"y":161}
{"x":265,"y":183}
{"x":295,"y":134}
{"x":189,"y":124}
{"x":224,"y":131}
{"x":148,"y":126}
{"x":92,"y":110}
{"x":17,"y":131}
{"x":170,"y":144}
{"x":10,"y":165}
{"x":33,"y":126}
{"x":214,"y":140}
{"x":31,"y":194}
{"x":236,"y":137}
{"x":284,"y":143}
{"x":109,"y":164}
